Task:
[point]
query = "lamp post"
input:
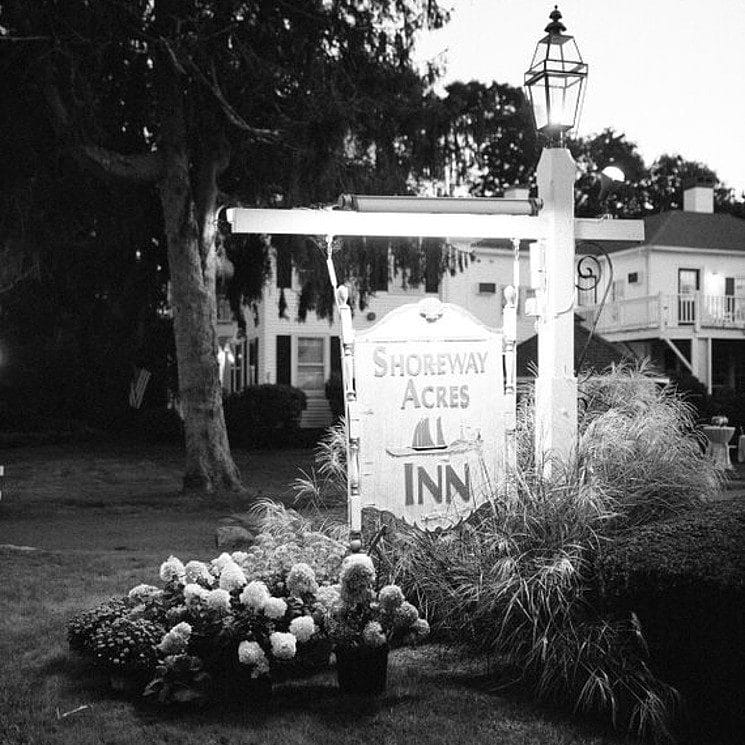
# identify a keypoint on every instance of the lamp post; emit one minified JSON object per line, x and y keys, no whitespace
{"x":555,"y":86}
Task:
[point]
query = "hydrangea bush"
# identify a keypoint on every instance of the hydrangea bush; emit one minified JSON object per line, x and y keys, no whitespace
{"x":223,"y":629}
{"x":361,"y":618}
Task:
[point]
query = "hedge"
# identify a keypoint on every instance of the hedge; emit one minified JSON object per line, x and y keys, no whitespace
{"x":685,"y":580}
{"x":264,"y":415}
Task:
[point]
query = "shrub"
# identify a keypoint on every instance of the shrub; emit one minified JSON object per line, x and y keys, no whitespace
{"x":638,"y":441}
{"x":264,"y":415}
{"x":685,"y":580}
{"x":224,"y":629}
{"x":517,"y":579}
{"x":326,"y":483}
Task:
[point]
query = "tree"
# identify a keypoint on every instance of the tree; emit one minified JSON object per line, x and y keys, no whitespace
{"x":477,"y":137}
{"x":168,"y":93}
{"x":592,"y":154}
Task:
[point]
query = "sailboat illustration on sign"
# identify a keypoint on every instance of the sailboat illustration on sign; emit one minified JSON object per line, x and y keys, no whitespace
{"x":422,"y":442}
{"x":423,"y":437}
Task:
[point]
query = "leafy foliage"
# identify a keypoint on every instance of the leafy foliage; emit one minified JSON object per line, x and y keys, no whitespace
{"x":517,"y":580}
{"x":264,"y":415}
{"x":683,"y":578}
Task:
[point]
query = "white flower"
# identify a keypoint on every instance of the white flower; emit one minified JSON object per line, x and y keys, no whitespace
{"x":275,"y":608}
{"x":327,"y":596}
{"x":197,"y":571}
{"x":303,"y":628}
{"x":372,"y":634}
{"x":172,"y":569}
{"x":357,"y":577}
{"x":239,"y":557}
{"x":301,"y":580}
{"x":254,"y":596}
{"x":250,"y":653}
{"x":194,"y":593}
{"x":284,"y":645}
{"x":390,"y":597}
{"x":420,"y":628}
{"x":218,"y":564}
{"x":218,"y":600}
{"x":232,"y":577}
{"x":406,"y":615}
{"x":176,"y":640}
{"x":143,"y":592}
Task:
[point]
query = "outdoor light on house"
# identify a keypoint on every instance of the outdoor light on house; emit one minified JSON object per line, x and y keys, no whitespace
{"x":555,"y":81}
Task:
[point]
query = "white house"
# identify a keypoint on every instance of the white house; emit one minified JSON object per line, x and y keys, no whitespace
{"x":678,"y":298}
{"x":285,"y":350}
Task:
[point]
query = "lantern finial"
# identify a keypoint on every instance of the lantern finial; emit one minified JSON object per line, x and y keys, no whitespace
{"x":556,"y":26}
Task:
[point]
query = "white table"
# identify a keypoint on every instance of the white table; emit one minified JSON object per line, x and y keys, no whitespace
{"x":718,"y":447}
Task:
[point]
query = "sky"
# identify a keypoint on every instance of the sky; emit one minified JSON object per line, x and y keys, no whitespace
{"x":670,"y":74}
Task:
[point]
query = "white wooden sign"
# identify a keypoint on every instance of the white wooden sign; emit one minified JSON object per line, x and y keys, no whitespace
{"x":430,"y":396}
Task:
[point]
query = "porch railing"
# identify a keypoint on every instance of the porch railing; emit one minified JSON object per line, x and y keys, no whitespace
{"x":661,"y":311}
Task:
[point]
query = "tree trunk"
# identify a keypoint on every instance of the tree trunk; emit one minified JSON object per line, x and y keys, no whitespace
{"x":192,"y":262}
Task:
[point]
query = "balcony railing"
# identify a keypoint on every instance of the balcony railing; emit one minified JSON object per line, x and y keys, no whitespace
{"x":663,"y":311}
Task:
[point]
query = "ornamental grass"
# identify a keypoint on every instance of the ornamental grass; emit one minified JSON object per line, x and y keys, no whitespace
{"x":516,"y":581}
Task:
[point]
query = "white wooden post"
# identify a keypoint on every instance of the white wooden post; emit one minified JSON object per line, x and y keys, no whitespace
{"x":556,"y":385}
{"x":351,"y":412}
{"x":509,"y":335}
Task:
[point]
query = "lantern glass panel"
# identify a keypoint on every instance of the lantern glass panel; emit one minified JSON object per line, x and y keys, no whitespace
{"x":564,"y":94}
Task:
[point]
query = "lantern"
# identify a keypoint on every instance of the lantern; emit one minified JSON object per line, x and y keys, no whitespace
{"x":555,"y":81}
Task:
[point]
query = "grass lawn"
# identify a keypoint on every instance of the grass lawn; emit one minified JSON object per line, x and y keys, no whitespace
{"x":101,"y":519}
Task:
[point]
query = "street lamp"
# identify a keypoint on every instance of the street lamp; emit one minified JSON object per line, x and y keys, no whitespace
{"x":555,"y":81}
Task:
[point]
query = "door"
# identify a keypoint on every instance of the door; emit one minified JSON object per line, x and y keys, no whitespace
{"x":688,"y":286}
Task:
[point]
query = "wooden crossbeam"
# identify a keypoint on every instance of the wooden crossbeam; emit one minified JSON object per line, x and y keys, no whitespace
{"x":419,"y":224}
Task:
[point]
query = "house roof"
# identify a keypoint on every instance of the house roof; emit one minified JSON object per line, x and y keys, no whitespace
{"x":681,"y":229}
{"x":675,"y":228}
{"x":695,"y":230}
{"x":600,"y":353}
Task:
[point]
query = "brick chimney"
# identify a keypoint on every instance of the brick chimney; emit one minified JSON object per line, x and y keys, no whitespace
{"x":698,"y":194}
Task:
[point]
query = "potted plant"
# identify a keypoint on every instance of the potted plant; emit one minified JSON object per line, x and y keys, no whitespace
{"x":363,"y":624}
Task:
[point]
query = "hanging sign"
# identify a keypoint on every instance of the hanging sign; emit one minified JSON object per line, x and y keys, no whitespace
{"x":430,"y":393}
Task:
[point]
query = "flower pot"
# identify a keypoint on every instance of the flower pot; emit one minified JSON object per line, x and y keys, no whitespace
{"x":233,"y":684}
{"x":362,"y":670}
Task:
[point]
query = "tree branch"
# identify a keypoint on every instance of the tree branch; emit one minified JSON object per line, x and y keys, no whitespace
{"x":264,"y":135}
{"x":140,"y":167}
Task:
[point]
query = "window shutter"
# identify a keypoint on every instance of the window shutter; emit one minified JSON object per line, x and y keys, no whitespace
{"x":284,"y":359}
{"x":335,"y":355}
{"x":284,"y":267}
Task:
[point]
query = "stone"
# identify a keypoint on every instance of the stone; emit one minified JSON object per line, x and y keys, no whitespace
{"x":233,"y":538}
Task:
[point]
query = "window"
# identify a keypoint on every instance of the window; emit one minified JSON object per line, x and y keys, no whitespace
{"x":283,"y":359}
{"x":238,"y":371}
{"x":633,"y":278}
{"x":487,"y":288}
{"x":253,"y":362}
{"x":310,"y":363}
